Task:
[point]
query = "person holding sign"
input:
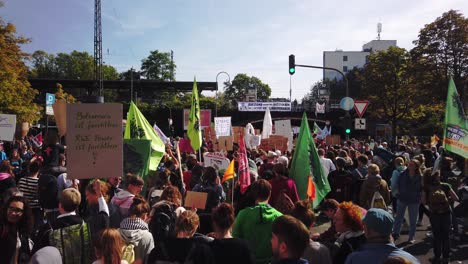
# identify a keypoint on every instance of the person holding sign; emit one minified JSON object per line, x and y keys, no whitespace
{"x":211,"y":185}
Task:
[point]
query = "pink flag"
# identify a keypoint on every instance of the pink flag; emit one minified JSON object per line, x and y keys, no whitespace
{"x":244,"y":174}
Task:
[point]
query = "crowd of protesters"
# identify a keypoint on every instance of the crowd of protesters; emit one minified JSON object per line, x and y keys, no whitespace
{"x":45,"y":217}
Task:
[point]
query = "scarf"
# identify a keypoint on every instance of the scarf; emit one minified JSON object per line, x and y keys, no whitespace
{"x":136,"y":223}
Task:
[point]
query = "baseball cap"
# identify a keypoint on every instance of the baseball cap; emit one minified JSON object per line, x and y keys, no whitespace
{"x":379,"y":221}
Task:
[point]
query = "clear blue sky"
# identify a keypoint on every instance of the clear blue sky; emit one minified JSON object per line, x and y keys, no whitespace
{"x":237,"y":36}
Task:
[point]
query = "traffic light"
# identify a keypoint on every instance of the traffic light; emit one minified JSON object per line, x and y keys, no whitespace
{"x":348,"y":131}
{"x":292,"y":64}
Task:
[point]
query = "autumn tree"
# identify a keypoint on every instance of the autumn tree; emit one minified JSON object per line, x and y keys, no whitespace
{"x":237,"y":90}
{"x":16,"y":94}
{"x":389,"y":86}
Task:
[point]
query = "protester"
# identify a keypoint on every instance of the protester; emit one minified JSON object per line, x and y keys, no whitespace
{"x":98,"y":192}
{"x":16,"y":161}
{"x":289,"y":239}
{"x":211,"y":184}
{"x":378,"y":226}
{"x":109,"y":247}
{"x":359,"y":176}
{"x":327,"y":164}
{"x":349,"y":225}
{"x":29,"y":187}
{"x":329,"y":208}
{"x":439,"y":198}
{"x":114,"y":186}
{"x":124,"y":198}
{"x":315,"y":252}
{"x":134,"y":229}
{"x":268,"y":164}
{"x":16,"y":224}
{"x":51,"y":154}
{"x":283,"y":190}
{"x":7,"y":178}
{"x":254,"y":223}
{"x":47,"y":255}
{"x":225,"y":248}
{"x":399,"y":168}
{"x":374,"y":190}
{"x":409,"y":196}
{"x":340,"y":182}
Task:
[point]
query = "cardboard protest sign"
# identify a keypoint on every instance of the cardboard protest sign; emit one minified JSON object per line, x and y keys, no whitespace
{"x":205,"y":118}
{"x":196,"y":200}
{"x":94,"y":141}
{"x":237,"y":132}
{"x":283,"y":128}
{"x":223,"y":126}
{"x":7,"y":127}
{"x":333,"y":140}
{"x":279,"y":142}
{"x":225,"y":143}
{"x":209,"y":134}
{"x":216,"y":160}
{"x":60,"y":113}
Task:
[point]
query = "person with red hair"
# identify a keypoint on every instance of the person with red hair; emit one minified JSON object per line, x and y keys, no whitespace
{"x":348,"y":223}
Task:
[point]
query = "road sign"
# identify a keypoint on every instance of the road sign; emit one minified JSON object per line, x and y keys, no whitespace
{"x":360,"y":124}
{"x":360,"y":107}
{"x":50,"y":100}
{"x":347,"y":103}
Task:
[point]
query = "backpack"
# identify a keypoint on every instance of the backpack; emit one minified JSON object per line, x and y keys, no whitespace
{"x":438,"y":201}
{"x":74,"y":243}
{"x":162,"y":224}
{"x":284,"y":204}
{"x":378,"y":201}
{"x":128,"y":253}
{"x":48,"y":191}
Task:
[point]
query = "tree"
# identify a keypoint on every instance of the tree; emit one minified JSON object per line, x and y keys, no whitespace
{"x":237,"y":90}
{"x":391,"y":89}
{"x":127,"y":75}
{"x":441,"y":51}
{"x":61,"y":94}
{"x":76,"y":65}
{"x":158,"y":66}
{"x":16,"y":94}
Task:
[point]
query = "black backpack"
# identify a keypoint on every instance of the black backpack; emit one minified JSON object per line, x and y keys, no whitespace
{"x":48,"y":191}
{"x":162,"y":224}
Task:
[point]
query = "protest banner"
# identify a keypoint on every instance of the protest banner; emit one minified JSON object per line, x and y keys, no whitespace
{"x":60,"y":113}
{"x":7,"y":127}
{"x":184,"y":145}
{"x":223,"y":126}
{"x":263,"y":106}
{"x":216,"y":160}
{"x":205,"y":118}
{"x":237,"y":132}
{"x":209,"y":134}
{"x":94,"y":141}
{"x":283,"y":128}
{"x":136,"y":153}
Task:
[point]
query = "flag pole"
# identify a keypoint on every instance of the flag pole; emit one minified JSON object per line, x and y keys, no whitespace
{"x":180,"y":162}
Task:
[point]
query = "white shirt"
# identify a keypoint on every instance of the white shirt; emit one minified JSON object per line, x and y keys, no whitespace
{"x":327,"y":165}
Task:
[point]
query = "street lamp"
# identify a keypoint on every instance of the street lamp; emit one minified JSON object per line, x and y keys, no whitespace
{"x":216,"y":95}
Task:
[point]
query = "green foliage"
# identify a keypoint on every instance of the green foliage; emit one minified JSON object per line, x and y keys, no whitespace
{"x":236,"y":91}
{"x":442,"y":51}
{"x":16,"y":94}
{"x":158,"y":66}
{"x":391,"y":89}
{"x":76,"y":65}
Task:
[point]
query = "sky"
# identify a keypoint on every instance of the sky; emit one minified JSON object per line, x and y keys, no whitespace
{"x":254,"y":37}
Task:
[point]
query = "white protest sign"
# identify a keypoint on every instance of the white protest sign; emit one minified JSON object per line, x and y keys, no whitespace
{"x":94,"y":141}
{"x":283,"y":128}
{"x":7,"y":127}
{"x":222,"y":126}
{"x":216,"y":160}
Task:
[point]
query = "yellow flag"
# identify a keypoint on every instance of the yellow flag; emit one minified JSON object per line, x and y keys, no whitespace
{"x":229,"y":173}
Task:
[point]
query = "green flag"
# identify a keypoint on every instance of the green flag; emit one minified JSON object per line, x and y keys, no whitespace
{"x":139,"y":128}
{"x":305,"y":164}
{"x":194,"y":130}
{"x":137,"y":153}
{"x":317,"y":129}
{"x":455,"y":125}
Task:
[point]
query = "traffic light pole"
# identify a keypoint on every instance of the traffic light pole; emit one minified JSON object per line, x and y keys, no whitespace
{"x":328,"y":68}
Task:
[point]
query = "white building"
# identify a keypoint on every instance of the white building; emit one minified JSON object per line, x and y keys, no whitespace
{"x":346,"y":60}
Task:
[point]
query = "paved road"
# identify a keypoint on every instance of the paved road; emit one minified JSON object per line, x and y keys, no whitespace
{"x":422,"y":249}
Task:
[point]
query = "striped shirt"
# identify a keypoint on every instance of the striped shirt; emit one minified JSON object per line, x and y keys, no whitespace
{"x":29,"y":187}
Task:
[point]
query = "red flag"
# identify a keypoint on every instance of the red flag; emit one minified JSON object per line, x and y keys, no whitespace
{"x":244,"y":174}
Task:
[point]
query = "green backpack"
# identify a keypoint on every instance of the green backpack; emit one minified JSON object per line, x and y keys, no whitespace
{"x":74,"y":243}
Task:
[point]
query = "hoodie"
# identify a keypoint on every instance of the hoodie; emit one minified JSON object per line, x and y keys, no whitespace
{"x":123,"y":200}
{"x":254,"y":225}
{"x":394,"y":180}
{"x":135,"y":231}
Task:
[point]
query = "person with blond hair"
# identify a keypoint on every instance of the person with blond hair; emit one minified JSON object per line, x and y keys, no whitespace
{"x":109,"y":247}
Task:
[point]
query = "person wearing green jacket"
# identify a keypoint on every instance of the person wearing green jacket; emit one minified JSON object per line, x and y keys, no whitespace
{"x":254,"y":223}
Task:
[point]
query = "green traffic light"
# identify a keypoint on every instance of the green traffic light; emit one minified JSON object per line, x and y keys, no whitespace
{"x":292,"y":70}
{"x":348,"y":131}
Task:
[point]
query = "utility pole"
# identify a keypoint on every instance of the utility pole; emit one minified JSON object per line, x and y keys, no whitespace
{"x":131,"y":84}
{"x":98,"y":74}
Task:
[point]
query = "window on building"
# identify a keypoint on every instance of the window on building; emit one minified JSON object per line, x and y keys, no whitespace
{"x":345,"y":68}
{"x":345,"y":58}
